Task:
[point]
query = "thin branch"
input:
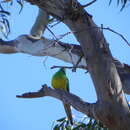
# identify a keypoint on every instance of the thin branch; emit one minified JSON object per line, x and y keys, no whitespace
{"x":44,"y":61}
{"x":102,"y":27}
{"x":88,"y":4}
{"x":66,"y":97}
{"x":51,"y":26}
{"x":109,"y":29}
{"x":69,"y":52}
{"x":52,"y":33}
{"x":63,"y":35}
{"x":69,"y":67}
{"x":80,"y":58}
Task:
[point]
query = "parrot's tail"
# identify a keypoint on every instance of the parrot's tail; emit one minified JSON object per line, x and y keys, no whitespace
{"x":69,"y":113}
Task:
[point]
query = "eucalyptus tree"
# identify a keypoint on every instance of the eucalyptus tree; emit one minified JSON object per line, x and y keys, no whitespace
{"x":93,"y":54}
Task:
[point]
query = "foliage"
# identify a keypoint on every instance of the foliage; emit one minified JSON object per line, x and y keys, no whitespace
{"x":85,"y":124}
{"x":4,"y":21}
{"x":63,"y":123}
{"x":122,"y":2}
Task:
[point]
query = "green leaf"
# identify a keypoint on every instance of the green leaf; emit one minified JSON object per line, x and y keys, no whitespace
{"x":110,"y":2}
{"x":56,"y":127}
{"x":89,"y":125}
{"x":1,"y":7}
{"x":118,"y":1}
{"x":7,"y":25}
{"x":100,"y":124}
{"x":20,"y":2}
{"x":68,"y":128}
{"x":62,"y":124}
{"x":81,"y":125}
{"x":95,"y":123}
{"x":51,"y":20}
{"x":4,"y":12}
{"x":62,"y":119}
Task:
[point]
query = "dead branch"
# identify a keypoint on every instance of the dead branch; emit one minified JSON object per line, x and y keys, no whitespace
{"x":66,"y":97}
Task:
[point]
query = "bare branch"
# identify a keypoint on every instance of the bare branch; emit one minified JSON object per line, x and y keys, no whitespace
{"x":74,"y":69}
{"x":69,"y":67}
{"x":45,"y":47}
{"x":88,"y":4}
{"x":66,"y":97}
{"x":8,"y":47}
{"x":63,"y":35}
{"x":52,"y":33}
{"x":109,"y":29}
{"x":40,"y":24}
{"x":55,"y":24}
{"x":102,"y":27}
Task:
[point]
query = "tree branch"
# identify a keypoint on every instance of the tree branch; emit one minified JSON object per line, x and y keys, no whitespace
{"x":66,"y":97}
{"x":88,"y":4}
{"x":8,"y":47}
{"x":40,"y":24}
{"x":45,"y":47}
{"x":69,"y":67}
{"x":119,"y":34}
{"x":113,"y":104}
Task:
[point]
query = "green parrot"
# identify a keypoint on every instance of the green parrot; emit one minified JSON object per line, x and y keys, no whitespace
{"x":60,"y":81}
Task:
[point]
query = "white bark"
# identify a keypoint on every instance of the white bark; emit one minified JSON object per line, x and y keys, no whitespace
{"x":111,"y":107}
{"x":69,"y":53}
{"x":40,"y":24}
{"x":44,"y":47}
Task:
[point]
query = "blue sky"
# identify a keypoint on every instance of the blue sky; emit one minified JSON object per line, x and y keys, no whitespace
{"x":21,"y":73}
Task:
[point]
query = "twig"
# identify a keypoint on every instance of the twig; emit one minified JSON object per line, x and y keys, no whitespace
{"x":88,"y":4}
{"x":52,"y":33}
{"x":44,"y":61}
{"x":69,"y":67}
{"x":51,"y":26}
{"x":63,"y":35}
{"x":109,"y":29}
{"x":74,"y":69}
{"x":102,"y":28}
{"x":69,"y":52}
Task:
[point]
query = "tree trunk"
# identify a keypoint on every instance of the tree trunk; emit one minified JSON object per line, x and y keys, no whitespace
{"x":111,"y":107}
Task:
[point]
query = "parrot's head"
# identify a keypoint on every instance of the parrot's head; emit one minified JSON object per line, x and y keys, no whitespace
{"x":63,"y":70}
